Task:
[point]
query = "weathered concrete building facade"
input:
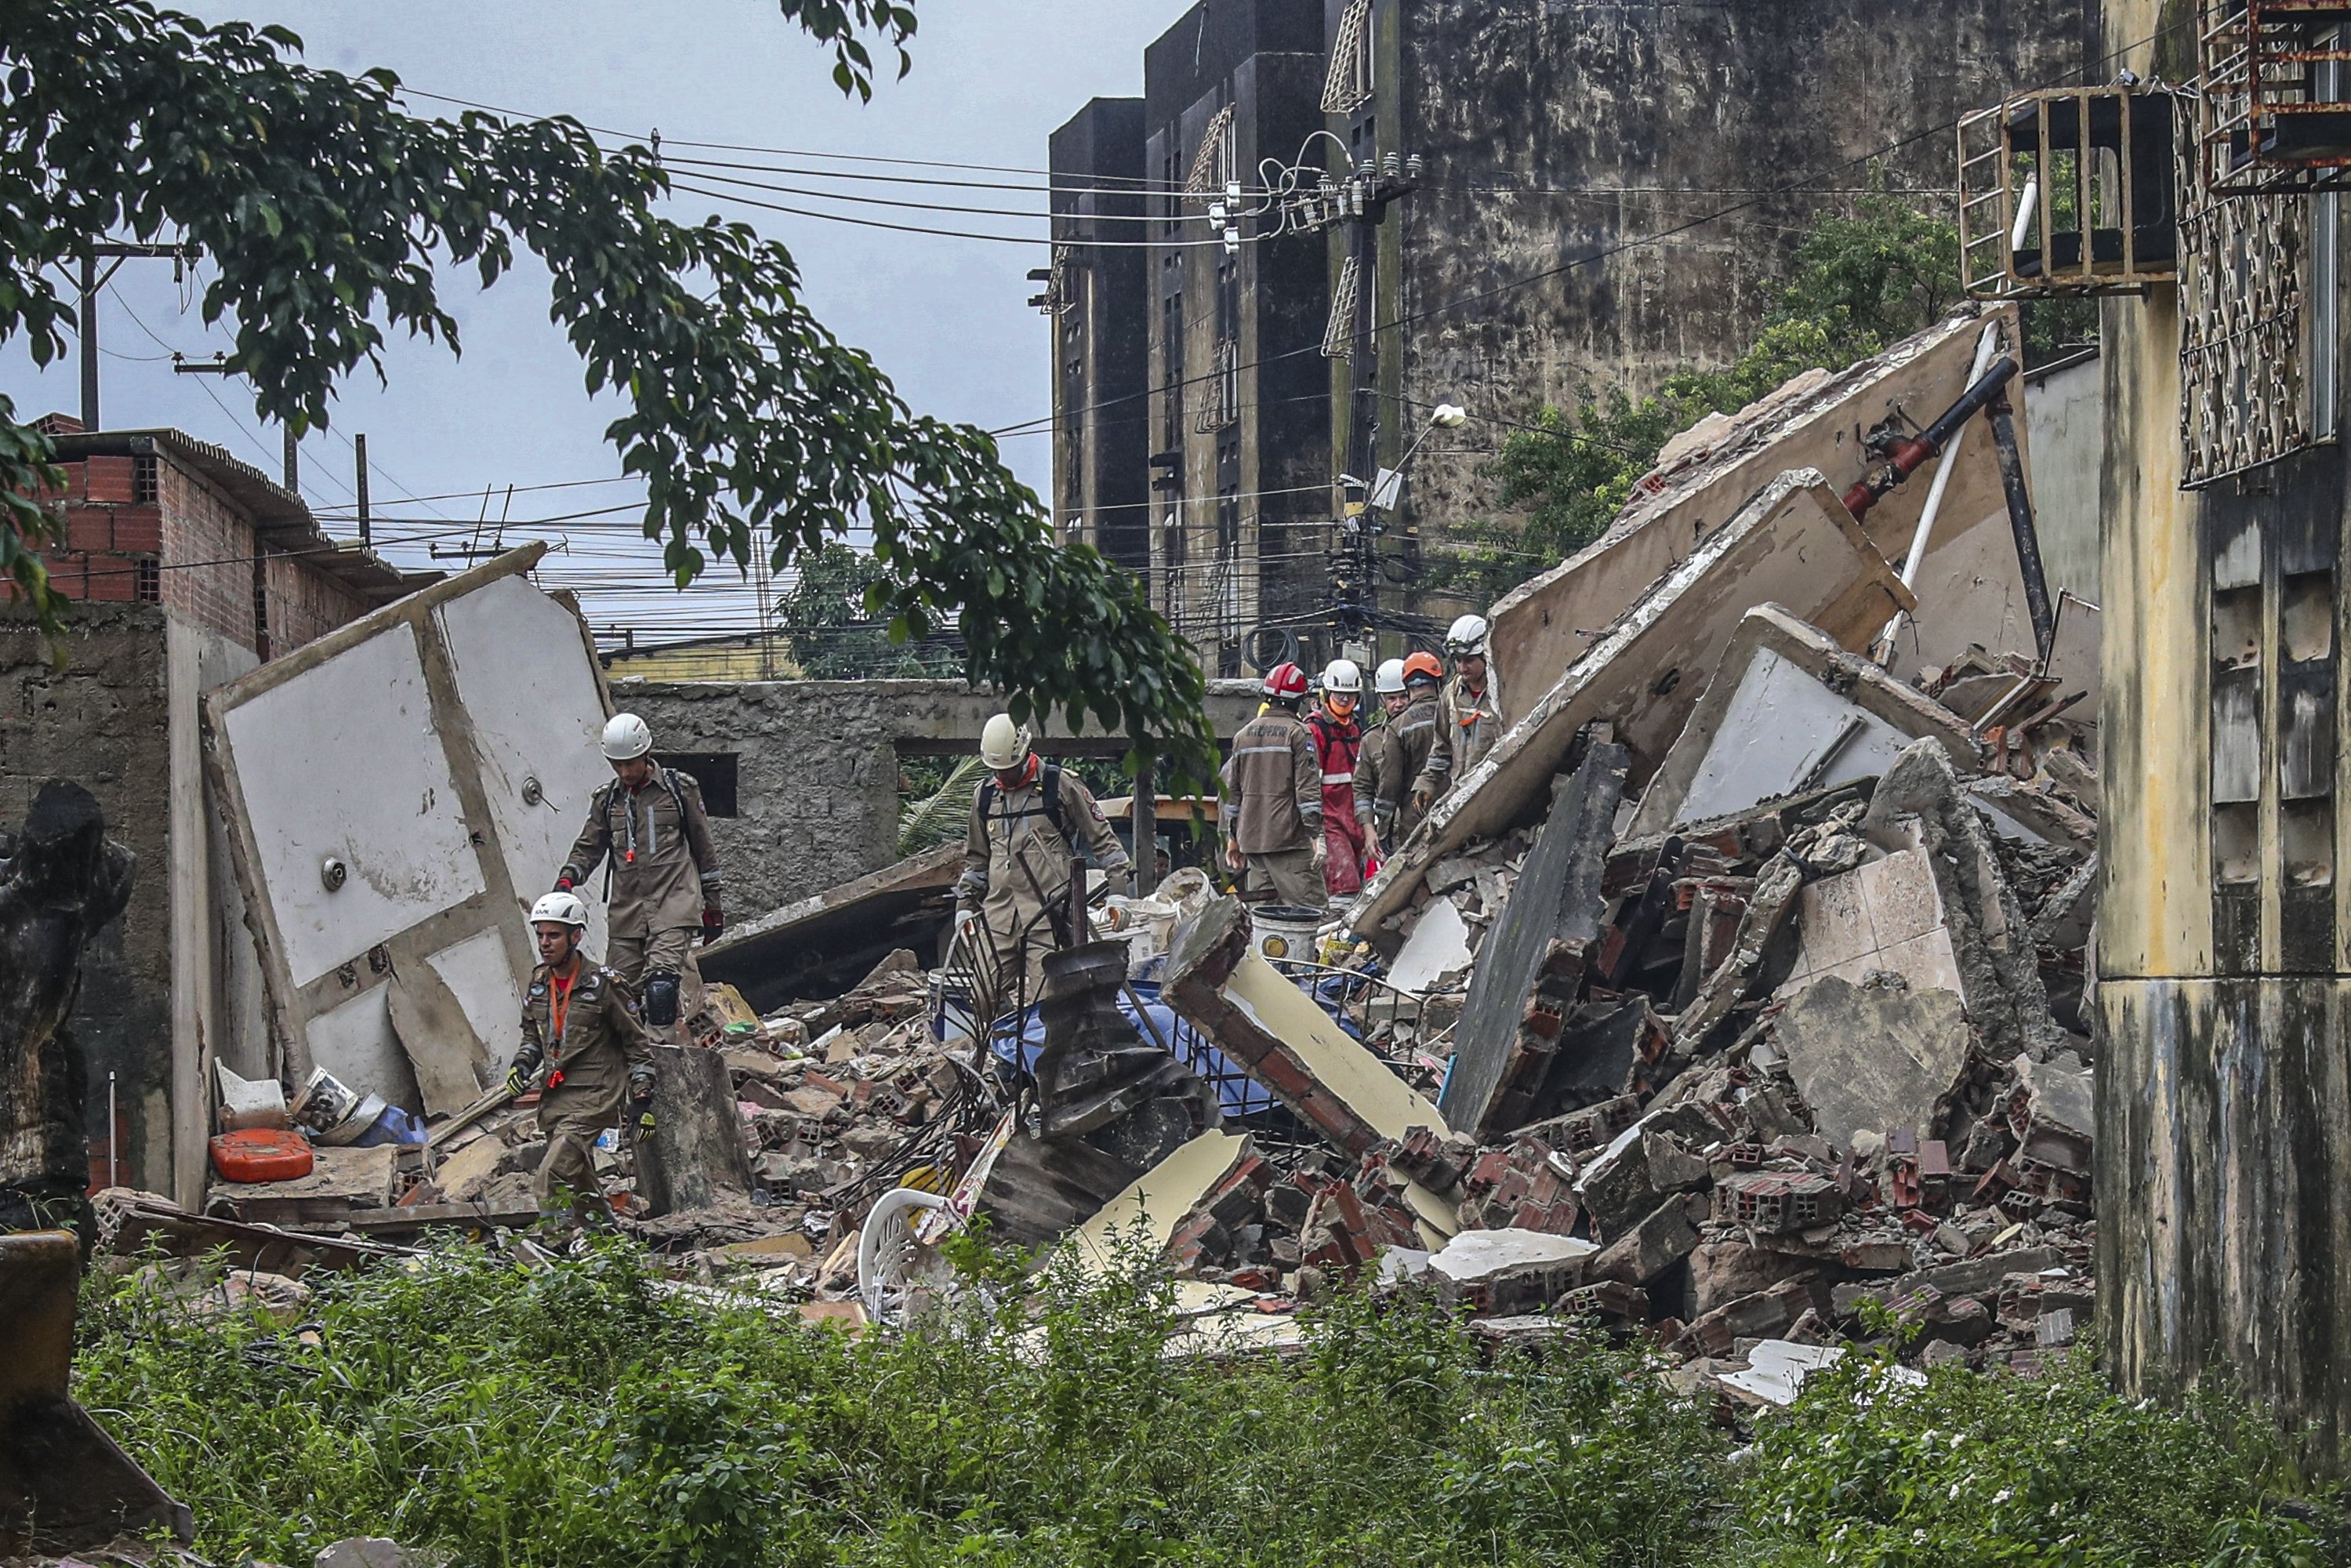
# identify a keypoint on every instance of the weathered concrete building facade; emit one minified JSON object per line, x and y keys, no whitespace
{"x":1607,"y":191}
{"x":2224,"y":935}
{"x":188,"y":568}
{"x":1603,"y":198}
{"x":1094,"y":298}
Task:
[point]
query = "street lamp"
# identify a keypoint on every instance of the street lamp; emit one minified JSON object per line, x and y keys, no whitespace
{"x":1389,"y":485}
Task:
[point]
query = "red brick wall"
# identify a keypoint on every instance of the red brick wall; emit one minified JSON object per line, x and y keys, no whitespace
{"x":197,"y":552}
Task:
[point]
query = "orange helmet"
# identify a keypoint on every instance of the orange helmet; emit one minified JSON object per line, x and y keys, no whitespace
{"x":1423,"y":667}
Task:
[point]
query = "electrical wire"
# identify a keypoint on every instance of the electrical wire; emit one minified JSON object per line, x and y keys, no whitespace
{"x":941,"y":233}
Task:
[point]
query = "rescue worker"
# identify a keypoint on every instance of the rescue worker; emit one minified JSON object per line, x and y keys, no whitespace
{"x":1469,"y":714}
{"x":1396,"y":752}
{"x":1027,"y":818}
{"x":1273,"y":799}
{"x":663,"y":881}
{"x":580,"y":1025}
{"x":1338,"y":742}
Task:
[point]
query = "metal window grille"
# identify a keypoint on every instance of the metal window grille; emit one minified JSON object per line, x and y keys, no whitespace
{"x":1339,"y":334}
{"x":2069,"y":190}
{"x":1221,"y":391}
{"x":1348,"y":87}
{"x":2244,"y":397}
{"x":2272,"y":118}
{"x":144,"y":485}
{"x":1213,"y":166}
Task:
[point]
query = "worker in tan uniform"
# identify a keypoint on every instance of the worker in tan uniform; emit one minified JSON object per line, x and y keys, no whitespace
{"x":1273,"y":799}
{"x":1398,"y":749}
{"x":580,"y":1028}
{"x":664,"y":884}
{"x":1469,"y":714}
{"x":1027,"y":818}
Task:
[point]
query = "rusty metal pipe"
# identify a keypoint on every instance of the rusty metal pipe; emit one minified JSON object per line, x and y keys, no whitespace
{"x":1913,"y":453}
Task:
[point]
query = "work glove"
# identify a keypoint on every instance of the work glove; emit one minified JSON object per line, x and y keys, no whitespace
{"x":519,"y":1080}
{"x":563,"y":884}
{"x":642,"y":1108}
{"x":1321,"y":853}
{"x":714,"y":925}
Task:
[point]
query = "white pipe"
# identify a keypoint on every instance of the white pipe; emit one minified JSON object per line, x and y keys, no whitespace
{"x":2023,"y":227}
{"x":1925,"y":532}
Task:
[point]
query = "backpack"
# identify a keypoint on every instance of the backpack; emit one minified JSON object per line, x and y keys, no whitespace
{"x":1050,"y":779}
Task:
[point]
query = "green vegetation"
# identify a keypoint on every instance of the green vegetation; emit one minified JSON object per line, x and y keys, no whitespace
{"x":580,"y":1414}
{"x":829,"y":617}
{"x":329,"y":215}
{"x":1856,"y":285}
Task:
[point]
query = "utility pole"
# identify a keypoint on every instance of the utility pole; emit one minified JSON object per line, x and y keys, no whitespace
{"x":218,"y":366}
{"x":92,"y":280}
{"x":293,"y":462}
{"x":1355,"y":577}
{"x":360,"y":489}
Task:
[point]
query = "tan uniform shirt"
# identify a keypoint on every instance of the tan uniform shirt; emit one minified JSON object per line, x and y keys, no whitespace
{"x":665,"y":868}
{"x":1468,"y":725}
{"x":1016,"y":847}
{"x":1273,"y":785}
{"x":601,"y":1040}
{"x":1392,"y":758}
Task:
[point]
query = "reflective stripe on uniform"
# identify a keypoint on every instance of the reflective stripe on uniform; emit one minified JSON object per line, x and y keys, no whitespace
{"x":1260,"y":751}
{"x":1338,"y":779}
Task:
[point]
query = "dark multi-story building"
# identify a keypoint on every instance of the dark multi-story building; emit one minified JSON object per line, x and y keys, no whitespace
{"x":1096,"y":297}
{"x":1240,"y":417}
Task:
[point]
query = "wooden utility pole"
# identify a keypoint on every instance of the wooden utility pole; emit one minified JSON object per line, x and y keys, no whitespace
{"x":92,"y":280}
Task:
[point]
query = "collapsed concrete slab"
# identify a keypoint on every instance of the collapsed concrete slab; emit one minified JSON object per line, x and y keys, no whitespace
{"x":1793,"y":543}
{"x":1219,"y":982}
{"x":1509,"y":1029}
{"x":1969,"y":588}
{"x":1508,"y":1271}
{"x":820,"y":945}
{"x":1919,"y":804}
{"x":1145,"y":1213}
{"x":1788,"y":711}
{"x":1873,"y":1059}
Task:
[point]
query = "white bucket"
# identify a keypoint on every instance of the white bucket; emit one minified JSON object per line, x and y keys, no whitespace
{"x":1284,"y":931}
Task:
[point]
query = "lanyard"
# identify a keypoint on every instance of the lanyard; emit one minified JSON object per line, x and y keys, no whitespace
{"x":559,"y":1002}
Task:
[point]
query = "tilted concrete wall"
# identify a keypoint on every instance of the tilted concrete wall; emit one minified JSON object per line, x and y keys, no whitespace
{"x":817,"y":766}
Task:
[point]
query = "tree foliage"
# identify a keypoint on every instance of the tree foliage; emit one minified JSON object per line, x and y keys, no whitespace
{"x":325,"y":209}
{"x":1854,"y":284}
{"x":828,"y":619}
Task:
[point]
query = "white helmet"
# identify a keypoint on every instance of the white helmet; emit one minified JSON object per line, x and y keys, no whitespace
{"x":559,"y":909}
{"x":1003,"y":744}
{"x":627,"y":737}
{"x":1342,"y":676}
{"x":1390,"y":679}
{"x":1467,"y":637}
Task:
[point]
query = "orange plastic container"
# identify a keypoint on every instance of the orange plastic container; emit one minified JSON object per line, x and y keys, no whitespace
{"x":262,"y":1154}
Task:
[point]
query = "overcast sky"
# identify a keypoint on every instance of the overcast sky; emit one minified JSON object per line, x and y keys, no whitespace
{"x":947,"y":319}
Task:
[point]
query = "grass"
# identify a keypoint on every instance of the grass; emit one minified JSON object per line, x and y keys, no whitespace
{"x":581,"y":1416}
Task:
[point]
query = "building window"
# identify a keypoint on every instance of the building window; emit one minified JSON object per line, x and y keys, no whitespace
{"x":714,"y":770}
{"x":147,"y":580}
{"x":143,"y":487}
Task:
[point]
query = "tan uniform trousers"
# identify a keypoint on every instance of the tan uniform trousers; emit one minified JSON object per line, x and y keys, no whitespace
{"x":570,"y":1120}
{"x":1291,"y":875}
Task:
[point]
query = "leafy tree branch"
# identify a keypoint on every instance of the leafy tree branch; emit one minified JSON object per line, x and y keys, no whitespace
{"x":326,"y":209}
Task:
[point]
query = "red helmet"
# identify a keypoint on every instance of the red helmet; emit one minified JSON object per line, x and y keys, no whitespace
{"x":1423,"y":667}
{"x":1285,"y":681}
